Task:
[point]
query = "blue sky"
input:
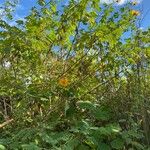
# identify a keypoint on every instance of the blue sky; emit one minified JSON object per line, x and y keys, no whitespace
{"x":25,"y":5}
{"x":146,"y":13}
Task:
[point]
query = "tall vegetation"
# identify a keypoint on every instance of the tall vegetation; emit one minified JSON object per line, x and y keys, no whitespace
{"x":74,"y":77}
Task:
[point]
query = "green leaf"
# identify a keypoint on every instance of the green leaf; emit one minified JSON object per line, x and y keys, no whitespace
{"x":134,"y":134}
{"x":86,"y":105}
{"x":30,"y":146}
{"x":117,"y":143}
{"x":71,"y":144}
{"x":44,"y":99}
{"x":19,"y":22}
{"x":113,"y":128}
{"x":41,"y":2}
{"x":103,"y":146}
{"x":104,"y":131}
{"x":83,"y":125}
{"x":100,"y":113}
{"x":83,"y":147}
{"x":137,"y":145}
{"x":2,"y":147}
{"x":48,"y":139}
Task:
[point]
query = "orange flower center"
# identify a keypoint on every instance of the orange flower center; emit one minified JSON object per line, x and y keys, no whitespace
{"x":64,"y":82}
{"x":135,"y":12}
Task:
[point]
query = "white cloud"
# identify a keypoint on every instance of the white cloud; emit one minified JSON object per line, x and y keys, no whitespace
{"x":141,"y":28}
{"x":1,"y":12}
{"x":107,"y":1}
{"x":20,"y":7}
{"x":120,"y":2}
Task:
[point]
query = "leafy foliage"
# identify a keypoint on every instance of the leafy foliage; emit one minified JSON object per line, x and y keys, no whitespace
{"x":71,"y":79}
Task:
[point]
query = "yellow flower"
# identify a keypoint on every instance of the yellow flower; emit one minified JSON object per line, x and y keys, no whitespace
{"x":63,"y":82}
{"x":135,"y":12}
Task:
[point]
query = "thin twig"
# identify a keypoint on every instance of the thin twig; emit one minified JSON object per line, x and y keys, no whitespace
{"x":6,"y":123}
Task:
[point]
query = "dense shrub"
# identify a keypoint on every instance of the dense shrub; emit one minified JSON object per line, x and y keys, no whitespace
{"x":71,"y":78}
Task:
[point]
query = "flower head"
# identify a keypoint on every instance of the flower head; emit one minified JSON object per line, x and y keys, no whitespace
{"x":135,"y":12}
{"x":63,"y":82}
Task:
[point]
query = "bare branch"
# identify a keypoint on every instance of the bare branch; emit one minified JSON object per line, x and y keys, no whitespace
{"x":5,"y":123}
